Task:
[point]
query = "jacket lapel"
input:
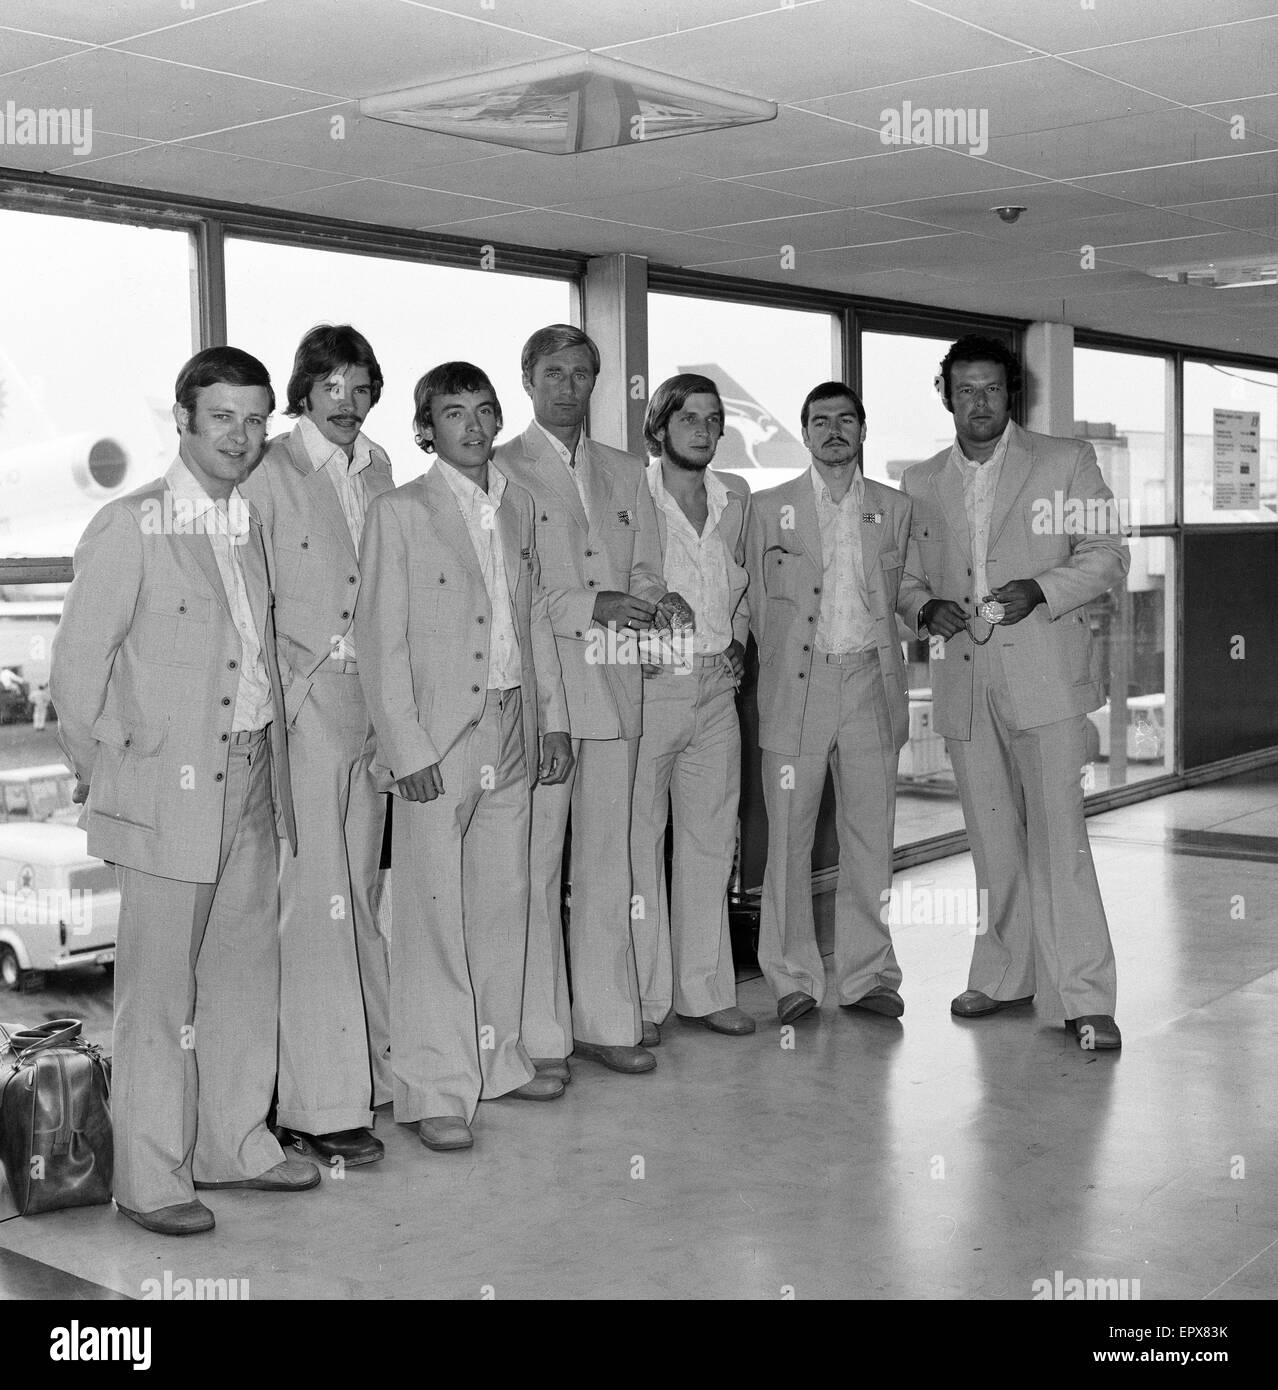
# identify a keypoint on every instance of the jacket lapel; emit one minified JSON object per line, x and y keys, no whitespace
{"x":1017,"y":466}
{"x":805,"y":520}
{"x":872,"y":531}
{"x":554,"y":472}
{"x":509,"y":532}
{"x":448,"y":520}
{"x":949,"y":491}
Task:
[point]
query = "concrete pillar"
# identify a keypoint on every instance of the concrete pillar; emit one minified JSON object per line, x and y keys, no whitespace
{"x":1049,"y":371}
{"x":616,"y":313}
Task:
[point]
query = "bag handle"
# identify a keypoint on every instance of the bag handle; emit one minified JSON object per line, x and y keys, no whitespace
{"x":56,"y":1033}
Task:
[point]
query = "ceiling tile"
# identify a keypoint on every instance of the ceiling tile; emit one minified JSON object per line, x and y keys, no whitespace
{"x":203,"y":174}
{"x":1067,"y":27}
{"x":1048,"y":203}
{"x":796,"y":53}
{"x":22,"y":50}
{"x":1169,"y":136}
{"x":389,"y":204}
{"x":1235,"y":176}
{"x":820,"y":230}
{"x":105,"y":21}
{"x":350,"y":48}
{"x":1217,"y":64}
{"x":1223,"y":246}
{"x":599,"y":26}
{"x":1254,"y":214}
{"x":698,"y":203}
{"x":889,"y":178}
{"x":98,"y":147}
{"x":157,"y":101}
{"x":1259,"y":114}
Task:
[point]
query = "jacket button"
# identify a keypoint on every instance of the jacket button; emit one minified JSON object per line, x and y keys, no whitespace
{"x":441,"y":579}
{"x":479,"y":656}
{"x":480,"y":621}
{"x":817,"y":590}
{"x":967,"y":656}
{"x":181,"y":608}
{"x":579,"y":634}
{"x":811,"y":620}
{"x":807,"y":648}
{"x":217,"y":777}
{"x":231,"y":665}
{"x":306,"y":545}
{"x":128,"y":741}
{"x":474,"y":690}
{"x":352,"y":580}
{"x":346,"y":613}
{"x":969,"y":574}
{"x":226,"y":738}
{"x":589,"y":553}
{"x":226,"y":699}
{"x":800,"y":675}
{"x":590,"y":583}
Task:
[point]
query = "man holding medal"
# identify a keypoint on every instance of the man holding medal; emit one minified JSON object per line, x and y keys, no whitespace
{"x":1012,"y":680}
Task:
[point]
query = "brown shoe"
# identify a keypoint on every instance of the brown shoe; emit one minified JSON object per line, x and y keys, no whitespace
{"x":735,"y":1022}
{"x":183,"y":1219}
{"x":630,"y":1060}
{"x":1095,"y":1032}
{"x":544,"y":1087}
{"x":553,"y":1066}
{"x":293,"y":1175}
{"x":794,"y":1006}
{"x":444,"y":1132}
{"x":880,"y":1000}
{"x":973,"y":1004}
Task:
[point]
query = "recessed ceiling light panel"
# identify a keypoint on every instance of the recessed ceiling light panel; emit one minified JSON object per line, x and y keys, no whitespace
{"x":1248,"y":272}
{"x":565,"y":105}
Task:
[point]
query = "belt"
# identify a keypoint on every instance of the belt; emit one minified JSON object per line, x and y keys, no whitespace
{"x":249,"y":736}
{"x":849,"y":658}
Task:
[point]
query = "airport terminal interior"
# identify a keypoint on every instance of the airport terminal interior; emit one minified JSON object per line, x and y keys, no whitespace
{"x":772,"y":195}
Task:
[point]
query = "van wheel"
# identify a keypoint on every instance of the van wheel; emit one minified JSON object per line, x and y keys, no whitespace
{"x":10,"y":970}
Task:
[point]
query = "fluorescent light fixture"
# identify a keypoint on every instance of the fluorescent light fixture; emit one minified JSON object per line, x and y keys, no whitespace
{"x":1241,"y":273}
{"x":581,"y":101}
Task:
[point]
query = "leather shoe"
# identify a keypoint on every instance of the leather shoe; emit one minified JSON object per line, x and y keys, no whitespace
{"x":543,"y":1087}
{"x":553,"y":1066}
{"x":1095,"y":1032}
{"x":293,"y":1175}
{"x":651,"y":1034}
{"x":444,"y":1132}
{"x":735,"y":1022}
{"x":880,"y":1000}
{"x":973,"y":1004}
{"x":183,"y":1219}
{"x":631,"y":1060}
{"x":792,"y":1006}
{"x":352,"y":1146}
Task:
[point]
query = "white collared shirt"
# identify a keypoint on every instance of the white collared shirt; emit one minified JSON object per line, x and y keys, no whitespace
{"x":696,"y":566}
{"x":479,"y":512}
{"x":346,"y":476}
{"x":228,"y":531}
{"x":845,"y":623}
{"x":574,"y":463}
{"x":980,"y":483}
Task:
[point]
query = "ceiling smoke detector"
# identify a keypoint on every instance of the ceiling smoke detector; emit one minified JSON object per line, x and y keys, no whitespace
{"x":565,"y":105}
{"x":1241,"y":273}
{"x":1010,"y":213}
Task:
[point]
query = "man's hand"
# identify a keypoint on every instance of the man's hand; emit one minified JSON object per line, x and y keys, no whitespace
{"x":556,"y":759}
{"x":943,"y":617}
{"x":614,"y":609}
{"x":736,"y":659}
{"x":673,"y":611}
{"x":424,"y":785}
{"x":81,"y":793}
{"x":1019,"y":599}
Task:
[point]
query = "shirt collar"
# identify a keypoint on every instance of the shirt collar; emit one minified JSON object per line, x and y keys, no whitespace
{"x":716,"y":491}
{"x":856,"y":489}
{"x":234,"y":513}
{"x":322,"y":452}
{"x":562,"y":449}
{"x":971,"y":465}
{"x":471,"y":495}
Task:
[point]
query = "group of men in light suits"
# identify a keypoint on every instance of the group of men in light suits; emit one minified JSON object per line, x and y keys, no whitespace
{"x":532,"y":641}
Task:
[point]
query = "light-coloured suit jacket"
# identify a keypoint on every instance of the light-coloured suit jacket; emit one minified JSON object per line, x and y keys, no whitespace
{"x":424,"y":624}
{"x":786,"y":576}
{"x":1054,"y":520}
{"x":317,"y":575}
{"x":732,"y":531}
{"x":580,"y":559}
{"x":145,"y":671}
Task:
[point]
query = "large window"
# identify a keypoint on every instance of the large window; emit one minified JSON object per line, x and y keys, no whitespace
{"x":1121,"y":406}
{"x":906,"y":419}
{"x":97,"y":321}
{"x":415,"y":315}
{"x":764,"y":361}
{"x":1231,"y":443}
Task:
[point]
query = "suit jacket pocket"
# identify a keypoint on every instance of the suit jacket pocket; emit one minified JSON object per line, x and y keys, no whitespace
{"x":439,"y":600}
{"x":125,"y":782}
{"x":175,"y":628}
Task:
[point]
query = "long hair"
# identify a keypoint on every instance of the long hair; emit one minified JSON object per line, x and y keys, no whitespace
{"x":323,"y":350}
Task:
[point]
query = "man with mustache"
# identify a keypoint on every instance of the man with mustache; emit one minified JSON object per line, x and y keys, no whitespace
{"x":171,"y":714}
{"x":690,"y":752}
{"x":825,"y":554}
{"x":313,"y":488}
{"x":1012,"y":682}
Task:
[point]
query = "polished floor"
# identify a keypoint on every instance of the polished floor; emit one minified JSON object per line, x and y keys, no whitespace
{"x":856,"y":1158}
